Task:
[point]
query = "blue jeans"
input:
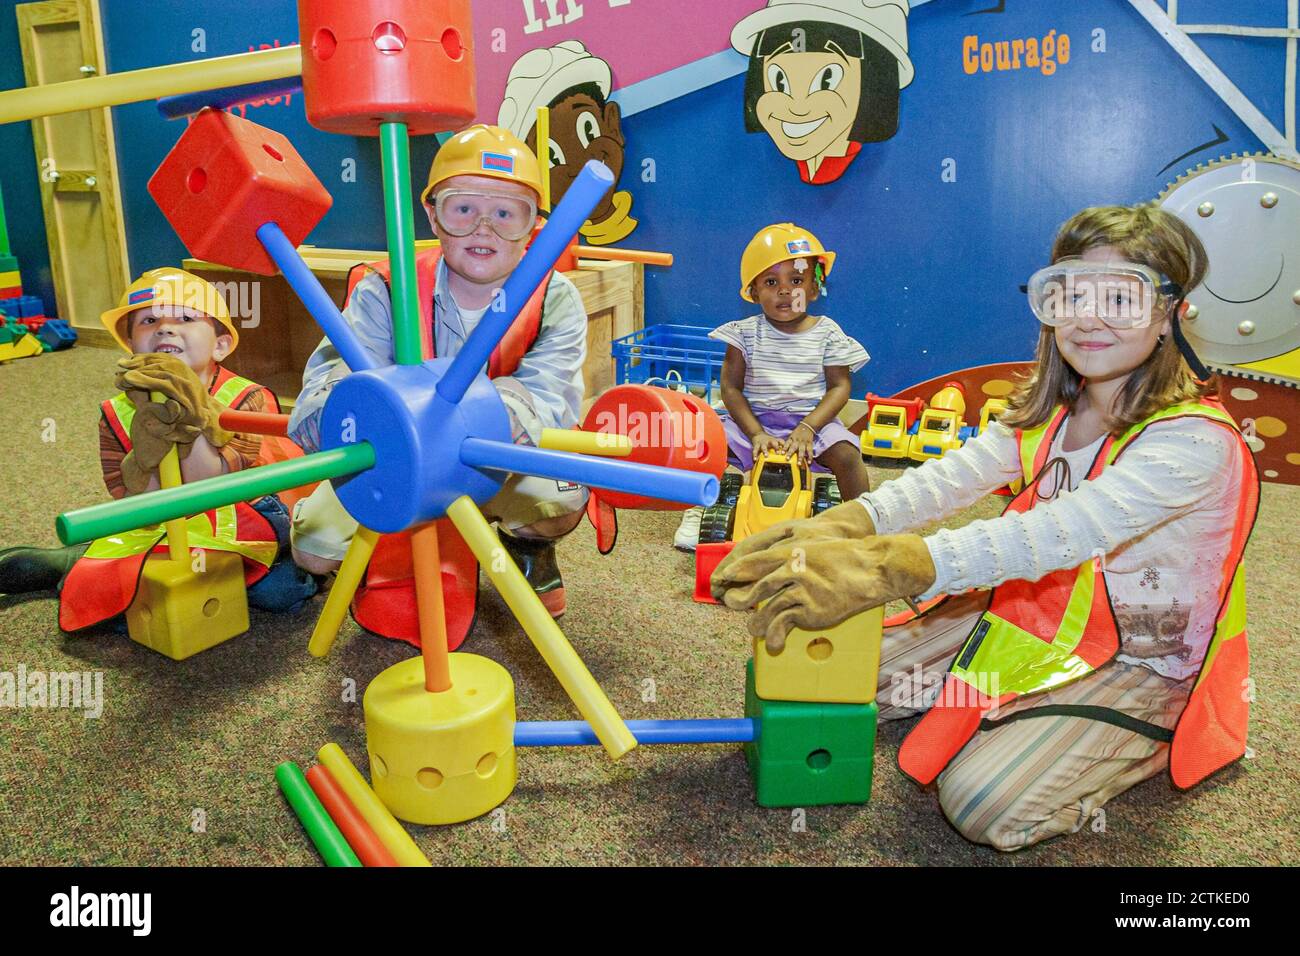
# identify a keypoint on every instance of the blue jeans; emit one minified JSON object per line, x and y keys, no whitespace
{"x":286,"y":586}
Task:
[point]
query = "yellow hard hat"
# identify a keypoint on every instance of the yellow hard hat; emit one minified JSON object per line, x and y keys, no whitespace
{"x":168,"y":286}
{"x":779,"y":243}
{"x":485,"y":151}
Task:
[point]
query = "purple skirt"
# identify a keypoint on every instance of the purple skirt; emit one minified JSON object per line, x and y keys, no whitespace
{"x":781,"y":424}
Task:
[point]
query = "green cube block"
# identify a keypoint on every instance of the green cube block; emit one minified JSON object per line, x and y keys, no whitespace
{"x":8,"y":264}
{"x":809,"y":754}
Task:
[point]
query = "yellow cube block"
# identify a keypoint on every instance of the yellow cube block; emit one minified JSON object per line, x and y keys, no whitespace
{"x":840,"y":665}
{"x":179,"y":611}
{"x":11,"y":279}
{"x":445,"y":757}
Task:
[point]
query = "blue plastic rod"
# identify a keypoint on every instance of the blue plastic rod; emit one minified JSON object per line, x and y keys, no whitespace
{"x":653,"y":481}
{"x":565,"y":221}
{"x":578,"y":733}
{"x":183,"y":104}
{"x":313,"y":295}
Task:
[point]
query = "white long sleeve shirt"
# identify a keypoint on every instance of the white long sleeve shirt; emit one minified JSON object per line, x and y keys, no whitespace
{"x":1162,"y":516}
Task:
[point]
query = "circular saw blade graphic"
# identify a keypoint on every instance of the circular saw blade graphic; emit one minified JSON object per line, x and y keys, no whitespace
{"x":1246,"y":211}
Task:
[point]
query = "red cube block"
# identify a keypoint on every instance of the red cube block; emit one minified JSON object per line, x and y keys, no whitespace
{"x":224,"y":179}
{"x":707,"y":559}
{"x":366,"y":62}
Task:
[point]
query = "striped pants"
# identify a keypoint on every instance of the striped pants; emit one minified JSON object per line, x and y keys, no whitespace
{"x":1030,"y":779}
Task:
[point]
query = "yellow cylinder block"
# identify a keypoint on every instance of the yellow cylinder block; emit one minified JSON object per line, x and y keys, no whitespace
{"x":840,"y":665}
{"x":446,"y":757}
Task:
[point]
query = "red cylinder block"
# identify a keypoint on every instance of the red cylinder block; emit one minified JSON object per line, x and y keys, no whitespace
{"x":366,"y":62}
{"x":224,"y":178}
{"x":666,"y":428}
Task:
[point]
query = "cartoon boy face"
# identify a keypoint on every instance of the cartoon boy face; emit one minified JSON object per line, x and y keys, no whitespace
{"x":583,"y":128}
{"x":810,"y":100}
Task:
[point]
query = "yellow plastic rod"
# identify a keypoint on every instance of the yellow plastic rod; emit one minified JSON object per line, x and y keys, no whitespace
{"x":541,"y":628}
{"x":624,"y":255}
{"x":605,"y":444}
{"x":544,"y":153}
{"x":169,"y":476}
{"x":345,"y":586}
{"x":135,"y":86}
{"x":391,"y":833}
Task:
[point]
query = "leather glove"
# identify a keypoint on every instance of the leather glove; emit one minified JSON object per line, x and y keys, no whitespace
{"x":155,"y":427}
{"x":847,"y":520}
{"x":140,"y":375}
{"x":816,"y":584}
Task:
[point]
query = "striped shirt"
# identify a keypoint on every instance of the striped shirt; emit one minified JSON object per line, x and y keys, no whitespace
{"x":787,"y":371}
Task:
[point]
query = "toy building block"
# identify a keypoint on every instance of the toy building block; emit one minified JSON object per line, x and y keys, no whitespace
{"x":707,"y":558}
{"x":226,"y":177}
{"x":22,"y":346}
{"x":366,"y":62}
{"x":8,"y":263}
{"x":445,"y":757}
{"x":30,"y":306}
{"x":809,"y":754}
{"x":179,"y":611}
{"x":839,"y":665}
{"x":10,"y":279}
{"x":56,"y":334}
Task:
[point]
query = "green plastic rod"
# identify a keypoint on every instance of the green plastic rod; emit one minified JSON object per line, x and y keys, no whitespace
{"x":114,"y":517}
{"x":395,"y":149}
{"x":322,"y":830}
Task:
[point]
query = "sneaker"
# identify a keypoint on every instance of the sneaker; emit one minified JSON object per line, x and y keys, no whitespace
{"x":536,"y":558}
{"x":688,"y":532}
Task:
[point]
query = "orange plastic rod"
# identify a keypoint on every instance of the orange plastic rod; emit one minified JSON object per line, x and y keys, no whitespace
{"x":368,"y":848}
{"x":427,"y":565}
{"x":255,"y":423}
{"x":624,"y":255}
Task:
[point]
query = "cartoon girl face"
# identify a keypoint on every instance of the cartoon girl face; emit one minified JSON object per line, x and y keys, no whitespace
{"x":810,"y":100}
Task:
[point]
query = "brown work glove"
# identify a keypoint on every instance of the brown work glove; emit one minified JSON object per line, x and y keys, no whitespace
{"x":140,"y":375}
{"x":847,"y":520}
{"x":155,"y":427}
{"x":816,"y":584}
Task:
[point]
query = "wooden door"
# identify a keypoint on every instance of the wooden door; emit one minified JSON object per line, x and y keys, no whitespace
{"x":77,"y":164}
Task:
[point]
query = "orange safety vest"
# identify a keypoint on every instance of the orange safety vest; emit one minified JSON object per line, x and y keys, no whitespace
{"x":104,"y":582}
{"x":1039,"y":635}
{"x":385,"y":601}
{"x":510,"y":351}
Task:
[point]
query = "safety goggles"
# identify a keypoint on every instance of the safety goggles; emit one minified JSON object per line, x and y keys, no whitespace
{"x":1123,"y":295}
{"x":459,"y":212}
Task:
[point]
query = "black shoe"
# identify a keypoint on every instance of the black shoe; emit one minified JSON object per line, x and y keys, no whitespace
{"x":536,"y":558}
{"x":24,"y":570}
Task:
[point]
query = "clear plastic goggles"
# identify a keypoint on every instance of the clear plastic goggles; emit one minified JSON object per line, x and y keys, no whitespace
{"x":459,"y":212}
{"x":1123,"y":295}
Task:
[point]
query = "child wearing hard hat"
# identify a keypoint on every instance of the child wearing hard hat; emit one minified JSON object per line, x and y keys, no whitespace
{"x":787,"y":374}
{"x":481,"y":199}
{"x":1094,"y":635}
{"x":178,"y":330}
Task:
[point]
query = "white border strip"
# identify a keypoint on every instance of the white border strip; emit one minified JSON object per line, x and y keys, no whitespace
{"x":1215,"y":78}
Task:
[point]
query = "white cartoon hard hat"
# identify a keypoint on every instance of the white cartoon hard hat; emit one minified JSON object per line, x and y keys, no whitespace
{"x":539,"y":76}
{"x":885,"y":21}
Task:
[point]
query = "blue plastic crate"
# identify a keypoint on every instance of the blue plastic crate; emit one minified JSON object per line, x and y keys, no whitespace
{"x":663,"y":352}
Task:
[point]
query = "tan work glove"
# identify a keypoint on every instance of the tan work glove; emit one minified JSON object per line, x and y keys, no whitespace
{"x":140,"y":375}
{"x":155,"y":427}
{"x":847,"y":520}
{"x":816,"y":584}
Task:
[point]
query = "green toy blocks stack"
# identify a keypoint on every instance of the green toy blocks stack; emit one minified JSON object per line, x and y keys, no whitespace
{"x":809,"y":754}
